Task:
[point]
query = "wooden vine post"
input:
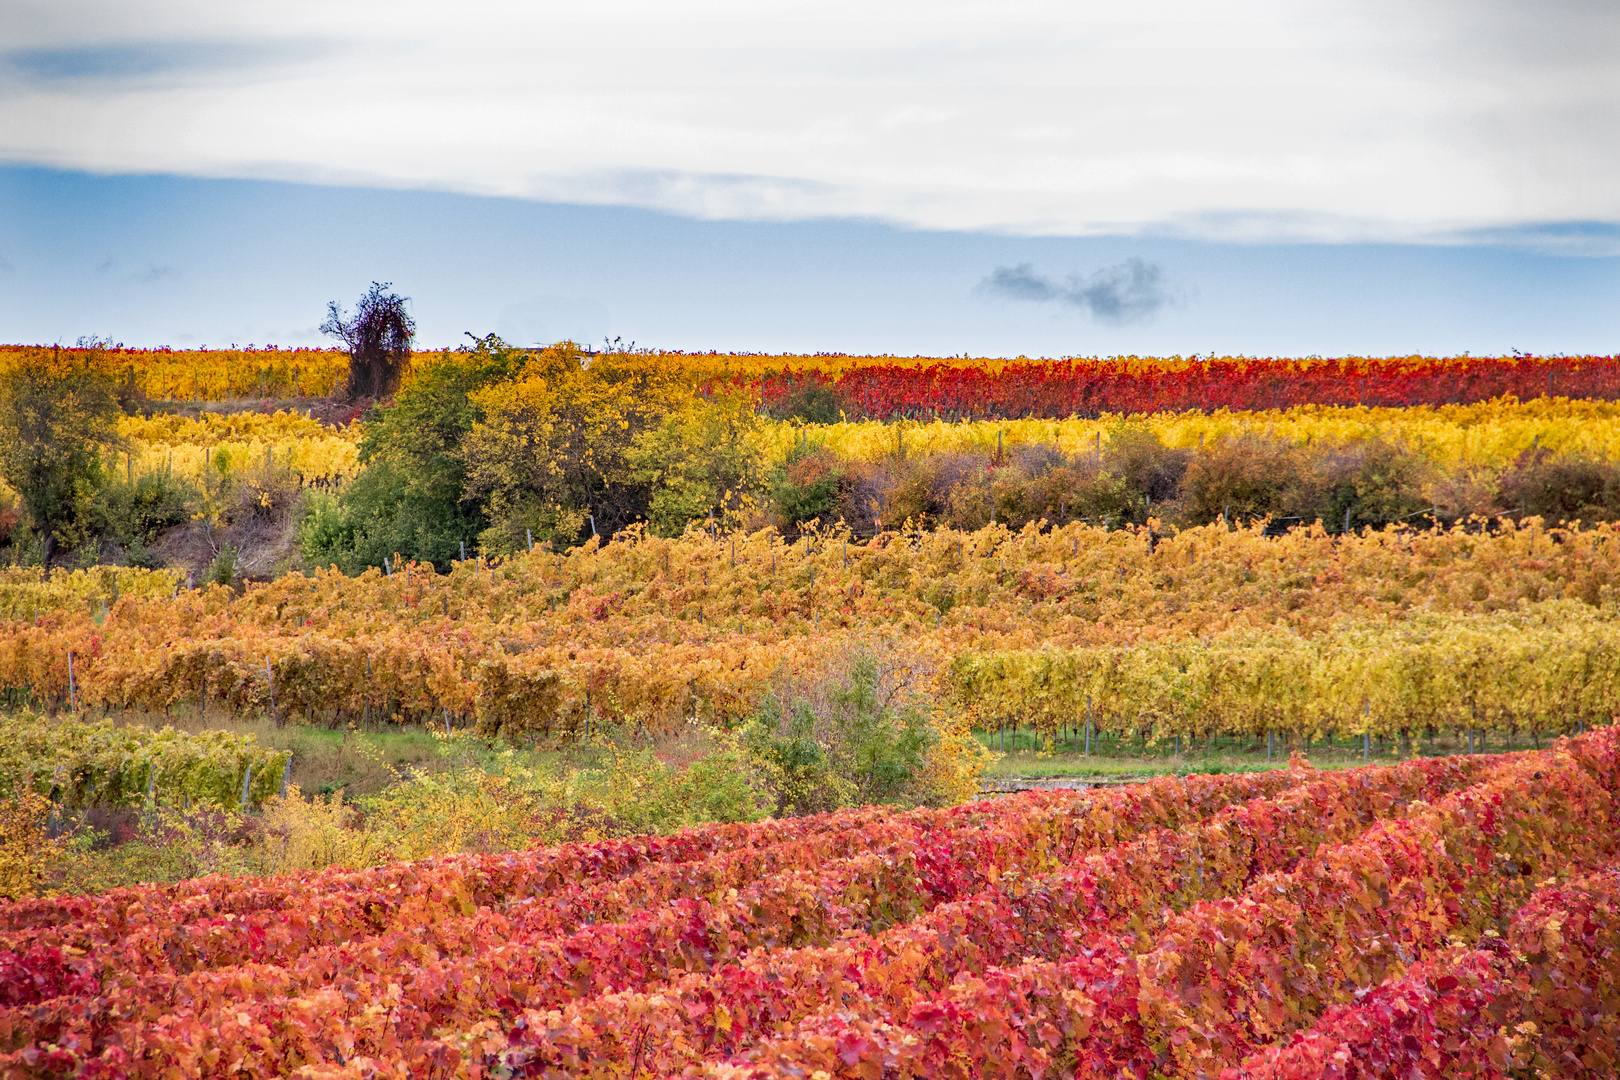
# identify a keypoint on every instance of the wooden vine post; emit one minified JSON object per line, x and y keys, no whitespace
{"x":1088,"y":725}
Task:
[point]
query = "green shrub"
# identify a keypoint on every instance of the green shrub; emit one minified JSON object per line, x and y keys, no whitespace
{"x":135,"y":514}
{"x":168,"y":845}
{"x":855,"y":738}
{"x":1374,"y":481}
{"x":222,"y":571}
{"x":1151,"y":471}
{"x":325,"y":535}
{"x":636,"y":787}
{"x":808,"y":486}
{"x":810,"y":398}
{"x":1249,"y":476}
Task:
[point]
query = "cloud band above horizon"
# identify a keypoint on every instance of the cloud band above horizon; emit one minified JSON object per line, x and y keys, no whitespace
{"x":1270,"y":120}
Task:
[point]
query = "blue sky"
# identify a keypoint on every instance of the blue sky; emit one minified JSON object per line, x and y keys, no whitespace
{"x":1257,"y":177}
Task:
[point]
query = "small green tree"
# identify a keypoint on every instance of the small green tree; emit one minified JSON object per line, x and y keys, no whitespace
{"x":58,"y":413}
{"x":409,"y":498}
{"x":810,"y":484}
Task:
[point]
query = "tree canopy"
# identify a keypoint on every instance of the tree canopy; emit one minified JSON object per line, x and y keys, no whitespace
{"x":58,"y":413}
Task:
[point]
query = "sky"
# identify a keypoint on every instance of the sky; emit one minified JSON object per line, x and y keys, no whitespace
{"x":1022,"y":177}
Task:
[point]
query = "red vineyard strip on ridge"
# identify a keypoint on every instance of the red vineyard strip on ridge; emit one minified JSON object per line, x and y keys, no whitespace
{"x":212,"y":921}
{"x":252,"y":925}
{"x":218,"y":922}
{"x":1046,"y":388}
{"x":488,"y":877}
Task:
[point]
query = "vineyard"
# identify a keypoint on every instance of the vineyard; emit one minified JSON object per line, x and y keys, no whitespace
{"x":488,"y":448}
{"x":216,"y":448}
{"x":887,"y":387}
{"x":557,"y":595}
{"x":1213,"y":631}
{"x":882,"y":388}
{"x":96,"y":764}
{"x":1490,"y":434}
{"x":1434,"y":918}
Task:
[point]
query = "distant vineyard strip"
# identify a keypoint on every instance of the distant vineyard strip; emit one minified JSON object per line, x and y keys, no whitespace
{"x":1489,"y":435}
{"x":880,"y":391}
{"x":882,"y":387}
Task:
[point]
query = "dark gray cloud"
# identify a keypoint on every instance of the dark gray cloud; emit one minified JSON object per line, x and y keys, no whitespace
{"x":1020,"y":282}
{"x":1131,"y":291}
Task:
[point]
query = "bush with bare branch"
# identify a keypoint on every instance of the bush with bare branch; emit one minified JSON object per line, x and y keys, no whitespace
{"x":378,"y":336}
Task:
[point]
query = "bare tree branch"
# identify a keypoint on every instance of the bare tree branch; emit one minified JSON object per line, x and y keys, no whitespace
{"x":378,"y":337}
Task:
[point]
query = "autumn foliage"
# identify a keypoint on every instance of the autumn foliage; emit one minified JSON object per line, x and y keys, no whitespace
{"x":1434,"y":918}
{"x":881,"y":389}
{"x":1157,"y":636}
{"x":885,"y":387}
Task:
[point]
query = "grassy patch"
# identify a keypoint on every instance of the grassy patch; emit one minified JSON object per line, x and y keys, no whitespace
{"x":325,"y":760}
{"x":1025,"y":756}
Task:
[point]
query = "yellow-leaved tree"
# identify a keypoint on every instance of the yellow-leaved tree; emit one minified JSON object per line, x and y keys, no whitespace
{"x":705,"y":458}
{"x":548,"y":457}
{"x":575,"y":446}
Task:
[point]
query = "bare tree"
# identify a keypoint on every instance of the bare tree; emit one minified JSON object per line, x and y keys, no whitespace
{"x":378,"y":337}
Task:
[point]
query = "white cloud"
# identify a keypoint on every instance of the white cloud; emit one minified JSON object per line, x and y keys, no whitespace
{"x":1259,"y":119}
